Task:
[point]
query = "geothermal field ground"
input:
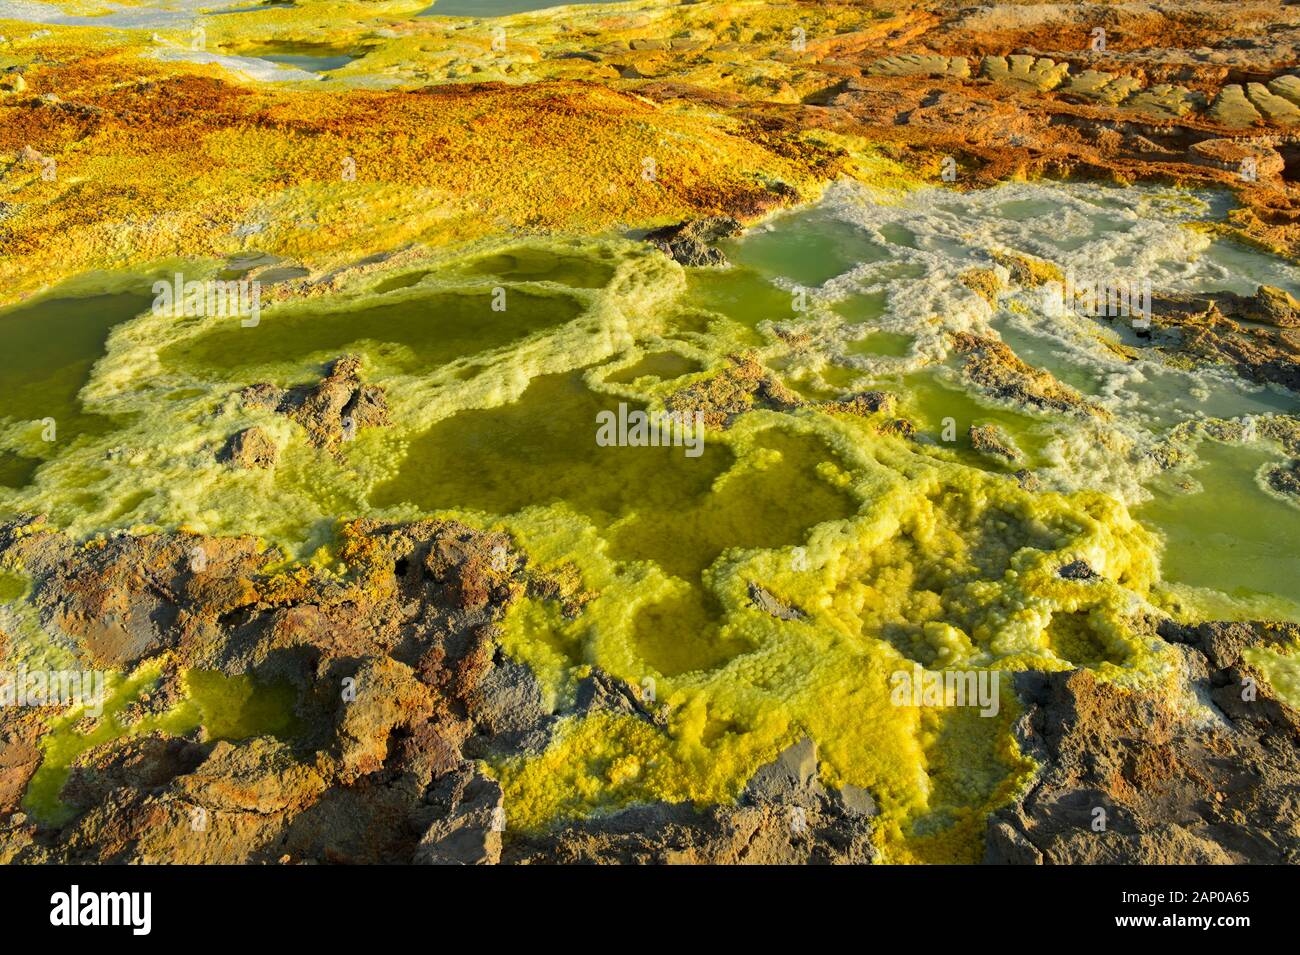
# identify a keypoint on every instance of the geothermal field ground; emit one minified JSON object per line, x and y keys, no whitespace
{"x":766,"y":431}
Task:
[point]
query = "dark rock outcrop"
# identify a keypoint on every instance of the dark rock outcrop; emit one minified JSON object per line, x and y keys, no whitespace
{"x":993,"y":367}
{"x":688,"y":243}
{"x":743,"y":385}
{"x":766,"y":601}
{"x":1136,"y":777}
{"x":331,"y":411}
{"x":1077,"y":570}
{"x":1255,"y":335}
{"x":992,"y":442}
{"x":251,"y":448}
{"x":864,"y":404}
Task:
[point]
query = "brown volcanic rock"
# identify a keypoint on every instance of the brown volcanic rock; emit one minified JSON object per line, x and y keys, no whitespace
{"x":992,"y":442}
{"x":20,"y":729}
{"x":251,"y":448}
{"x":1169,"y":787}
{"x":995,"y":368}
{"x":1268,"y":306}
{"x":233,"y":807}
{"x":388,"y":696}
{"x":689,"y":242}
{"x":1285,"y":479}
{"x":773,"y":606}
{"x":128,"y":598}
{"x":412,"y":586}
{"x":410,"y":629}
{"x":144,"y":763}
{"x":331,"y":411}
{"x":259,"y":776}
{"x":471,"y":569}
{"x":743,"y":385}
{"x":864,"y":404}
{"x":469,"y":824}
{"x":1258,"y":336}
{"x":1233,"y":156}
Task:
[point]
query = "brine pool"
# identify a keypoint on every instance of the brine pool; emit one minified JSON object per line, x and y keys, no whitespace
{"x":893,"y":551}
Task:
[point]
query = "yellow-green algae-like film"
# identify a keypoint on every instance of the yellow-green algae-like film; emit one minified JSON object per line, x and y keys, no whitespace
{"x":223,"y":707}
{"x":943,"y":565}
{"x":1281,"y":668}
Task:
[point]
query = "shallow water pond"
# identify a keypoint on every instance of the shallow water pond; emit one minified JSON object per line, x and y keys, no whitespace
{"x":425,"y":331}
{"x":808,"y":248}
{"x":1228,"y":534}
{"x":51,"y":345}
{"x":657,"y":503}
{"x":304,"y":56}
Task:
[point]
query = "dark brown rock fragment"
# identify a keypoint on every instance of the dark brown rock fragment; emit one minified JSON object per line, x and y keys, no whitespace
{"x":251,"y":448}
{"x":688,"y":243}
{"x":331,"y":411}
{"x":742,"y":386}
{"x":771,"y":605}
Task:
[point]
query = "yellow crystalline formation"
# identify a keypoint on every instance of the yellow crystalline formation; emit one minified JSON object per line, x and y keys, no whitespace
{"x":1281,"y":668}
{"x":944,"y":567}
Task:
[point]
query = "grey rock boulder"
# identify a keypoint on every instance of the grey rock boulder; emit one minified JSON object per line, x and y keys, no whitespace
{"x":470,"y":831}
